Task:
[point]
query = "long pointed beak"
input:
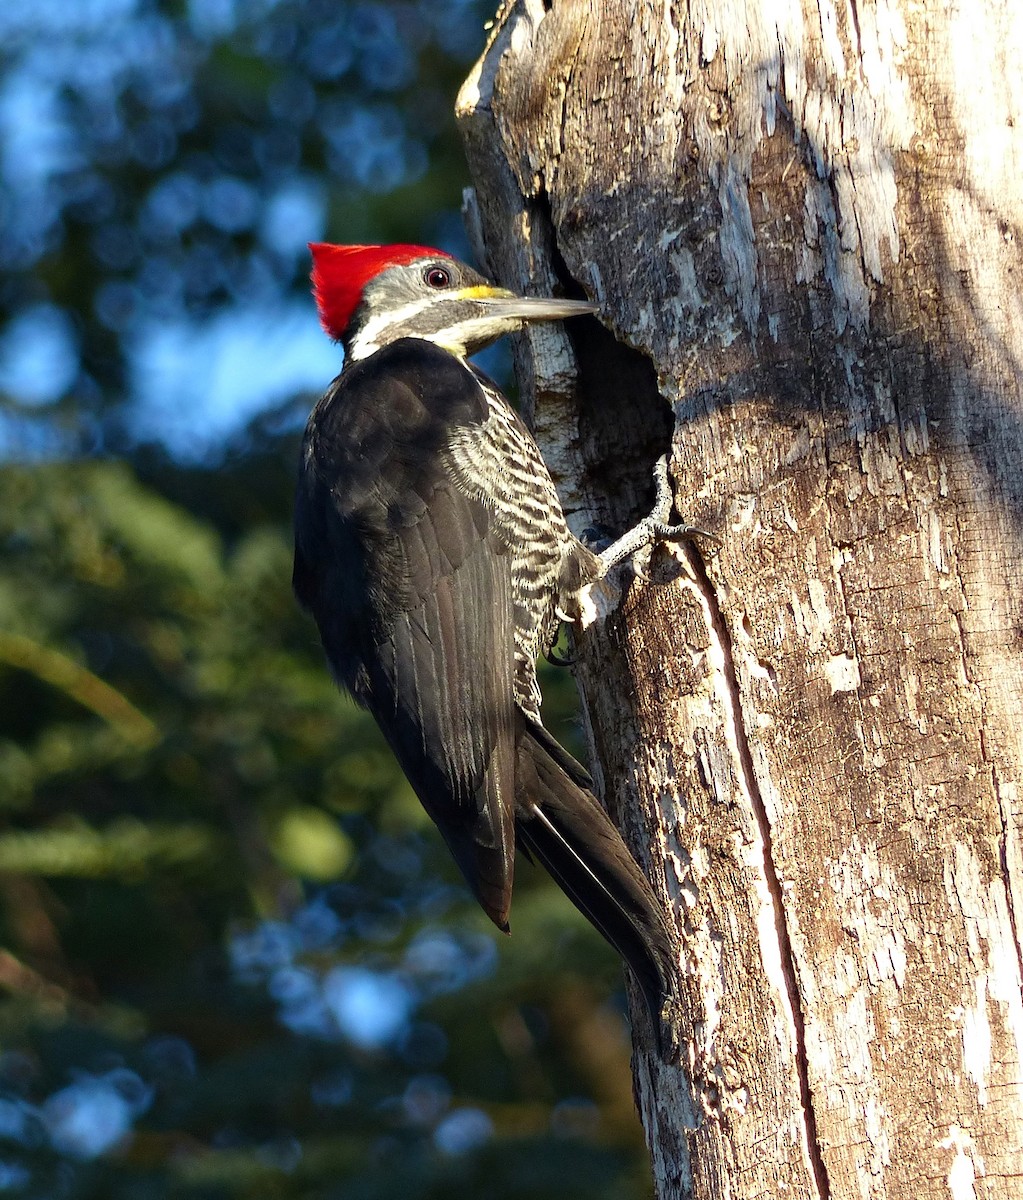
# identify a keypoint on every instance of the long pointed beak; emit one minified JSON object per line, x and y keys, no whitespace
{"x":507,"y":306}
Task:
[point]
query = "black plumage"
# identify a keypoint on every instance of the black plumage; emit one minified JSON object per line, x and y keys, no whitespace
{"x":432,"y":551}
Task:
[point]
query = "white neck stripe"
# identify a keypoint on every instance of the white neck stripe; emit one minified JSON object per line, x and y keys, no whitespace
{"x":371,"y":336}
{"x":477,"y":331}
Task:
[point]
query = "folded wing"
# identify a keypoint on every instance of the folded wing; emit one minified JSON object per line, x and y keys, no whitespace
{"x":411,"y":588}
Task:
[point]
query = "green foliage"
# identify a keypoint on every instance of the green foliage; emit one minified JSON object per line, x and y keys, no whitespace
{"x":236,"y":960}
{"x":204,"y":847}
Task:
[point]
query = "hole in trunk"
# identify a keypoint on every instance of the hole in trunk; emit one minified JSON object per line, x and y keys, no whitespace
{"x":625,"y":424}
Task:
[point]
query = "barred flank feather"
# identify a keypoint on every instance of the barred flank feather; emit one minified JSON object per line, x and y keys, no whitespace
{"x":429,"y":546}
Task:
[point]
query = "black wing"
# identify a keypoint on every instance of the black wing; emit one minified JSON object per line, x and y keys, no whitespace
{"x":411,"y":589}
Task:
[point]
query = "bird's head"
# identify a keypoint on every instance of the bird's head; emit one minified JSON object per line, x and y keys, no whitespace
{"x":368,"y":296}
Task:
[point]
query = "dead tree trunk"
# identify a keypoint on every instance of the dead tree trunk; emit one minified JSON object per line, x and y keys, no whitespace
{"x":802,"y":223}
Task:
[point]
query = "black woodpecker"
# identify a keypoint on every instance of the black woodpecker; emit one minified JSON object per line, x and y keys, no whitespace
{"x":433,"y":553}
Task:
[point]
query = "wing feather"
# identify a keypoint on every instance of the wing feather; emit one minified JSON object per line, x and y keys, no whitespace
{"x":413,"y":596}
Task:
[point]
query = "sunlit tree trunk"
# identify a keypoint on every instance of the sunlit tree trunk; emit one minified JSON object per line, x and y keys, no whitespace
{"x":802,"y":223}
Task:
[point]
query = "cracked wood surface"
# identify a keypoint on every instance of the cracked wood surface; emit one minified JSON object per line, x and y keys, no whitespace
{"x":802,"y":222}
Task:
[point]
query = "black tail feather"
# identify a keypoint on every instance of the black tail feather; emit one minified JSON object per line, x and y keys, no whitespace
{"x":562,"y":826}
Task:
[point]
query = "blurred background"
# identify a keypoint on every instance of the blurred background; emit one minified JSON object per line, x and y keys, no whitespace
{"x":235,"y":959}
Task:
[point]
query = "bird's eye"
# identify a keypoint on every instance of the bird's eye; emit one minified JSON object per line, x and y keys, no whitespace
{"x":437,"y":277}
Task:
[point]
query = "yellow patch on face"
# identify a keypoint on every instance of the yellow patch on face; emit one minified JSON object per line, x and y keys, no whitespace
{"x":484,"y":292}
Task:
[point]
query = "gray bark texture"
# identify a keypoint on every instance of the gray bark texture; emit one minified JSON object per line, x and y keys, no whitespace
{"x":802,"y":221}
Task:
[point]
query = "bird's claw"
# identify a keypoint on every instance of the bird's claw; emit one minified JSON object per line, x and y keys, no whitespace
{"x":664,"y":497}
{"x":678,"y":533}
{"x":641,"y":564}
{"x":560,"y":660}
{"x":652,"y":529}
{"x":657,"y":521}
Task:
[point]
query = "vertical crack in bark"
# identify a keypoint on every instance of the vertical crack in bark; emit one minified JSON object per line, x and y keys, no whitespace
{"x":1005,"y":816}
{"x":854,"y":13}
{"x":719,"y":629}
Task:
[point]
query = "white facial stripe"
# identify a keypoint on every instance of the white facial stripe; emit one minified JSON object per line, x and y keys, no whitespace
{"x":378,"y":331}
{"x":369,"y":336}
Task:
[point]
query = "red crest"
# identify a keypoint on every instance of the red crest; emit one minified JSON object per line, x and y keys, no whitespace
{"x":340,"y":273}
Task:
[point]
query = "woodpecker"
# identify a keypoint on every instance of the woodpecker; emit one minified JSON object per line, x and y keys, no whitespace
{"x":432,"y":551}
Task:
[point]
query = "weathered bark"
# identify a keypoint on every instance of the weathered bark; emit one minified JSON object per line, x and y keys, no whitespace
{"x":802,"y":223}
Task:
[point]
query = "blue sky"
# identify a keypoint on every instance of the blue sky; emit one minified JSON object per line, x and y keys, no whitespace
{"x":193,"y":381}
{"x":197,"y":383}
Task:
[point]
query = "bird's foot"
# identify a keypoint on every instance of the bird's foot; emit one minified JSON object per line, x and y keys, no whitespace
{"x":554,"y":655}
{"x":652,"y":529}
